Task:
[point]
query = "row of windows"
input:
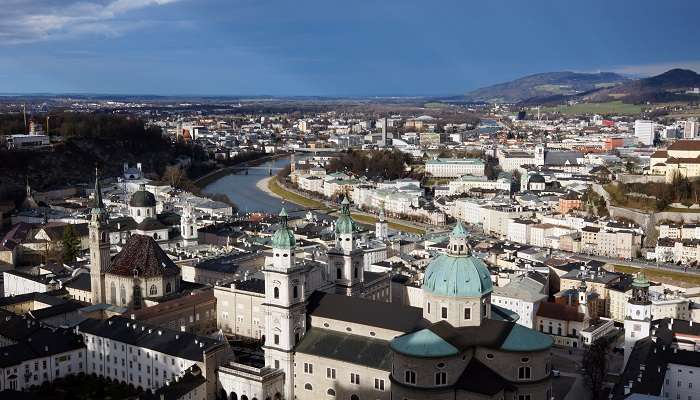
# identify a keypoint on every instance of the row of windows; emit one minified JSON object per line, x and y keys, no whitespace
{"x":467,"y":312}
{"x":440,"y":378}
{"x":354,"y":378}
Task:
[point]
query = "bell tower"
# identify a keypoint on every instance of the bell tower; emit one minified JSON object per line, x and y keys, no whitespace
{"x":99,"y":245}
{"x":637,"y":314}
{"x":285,"y":304}
{"x":345,"y":260}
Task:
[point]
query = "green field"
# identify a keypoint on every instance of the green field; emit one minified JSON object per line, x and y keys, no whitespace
{"x":612,"y":107}
{"x":657,"y":275}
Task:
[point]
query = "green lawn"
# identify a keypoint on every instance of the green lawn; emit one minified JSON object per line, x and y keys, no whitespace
{"x":612,"y":107}
{"x":658,"y":275}
{"x":275,"y":188}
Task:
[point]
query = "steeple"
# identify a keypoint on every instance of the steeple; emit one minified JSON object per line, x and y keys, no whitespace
{"x":459,"y":245}
{"x":99,"y":212}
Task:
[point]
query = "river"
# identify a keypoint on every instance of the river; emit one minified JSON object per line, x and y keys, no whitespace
{"x":242,"y":189}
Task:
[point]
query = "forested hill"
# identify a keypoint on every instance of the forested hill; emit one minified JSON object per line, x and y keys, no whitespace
{"x":544,"y":85}
{"x":82,"y":141}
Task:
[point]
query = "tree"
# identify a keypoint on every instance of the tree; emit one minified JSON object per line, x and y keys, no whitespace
{"x":595,"y":366}
{"x":70,"y":244}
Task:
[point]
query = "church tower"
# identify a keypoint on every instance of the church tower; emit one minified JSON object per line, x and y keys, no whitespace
{"x":188,"y":225}
{"x":99,"y":245}
{"x":637,"y":314}
{"x":345,"y":260}
{"x":285,"y":304}
{"x":381,"y":227}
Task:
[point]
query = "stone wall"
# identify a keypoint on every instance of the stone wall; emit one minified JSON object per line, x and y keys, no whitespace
{"x":630,"y":178}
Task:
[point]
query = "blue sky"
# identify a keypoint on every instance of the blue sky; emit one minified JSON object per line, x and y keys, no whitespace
{"x":331,"y":47}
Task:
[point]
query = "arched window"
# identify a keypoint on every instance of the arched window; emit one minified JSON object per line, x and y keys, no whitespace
{"x":113,"y":293}
{"x":138,"y":213}
{"x":308,"y":387}
{"x":296,"y":291}
{"x":191,"y":231}
{"x":338,"y":273}
{"x":354,"y":397}
{"x":122,"y":294}
{"x":330,"y":392}
{"x":155,"y":235}
{"x":428,"y":307}
{"x":276,"y":292}
{"x":410,"y":377}
{"x":152,"y":291}
{"x":168,"y":288}
{"x":441,"y":378}
{"x":524,"y":373}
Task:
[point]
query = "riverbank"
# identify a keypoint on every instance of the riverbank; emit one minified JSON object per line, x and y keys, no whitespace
{"x":205,"y":180}
{"x":272,"y":186}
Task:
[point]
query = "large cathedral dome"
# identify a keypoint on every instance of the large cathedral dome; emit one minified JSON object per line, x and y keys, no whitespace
{"x":457,"y":274}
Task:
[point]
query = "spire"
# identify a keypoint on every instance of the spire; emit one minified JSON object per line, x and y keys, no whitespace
{"x":283,"y":217}
{"x":98,"y":190}
{"x":345,"y":206}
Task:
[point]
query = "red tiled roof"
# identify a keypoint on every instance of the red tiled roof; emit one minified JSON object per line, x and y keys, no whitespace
{"x":562,"y":312}
{"x":685,"y":145}
{"x":143,"y":255}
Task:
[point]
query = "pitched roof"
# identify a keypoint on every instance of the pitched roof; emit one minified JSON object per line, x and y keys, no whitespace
{"x":685,"y":145}
{"x":363,"y":311}
{"x":180,"y":344}
{"x":354,"y":349}
{"x":142,"y":254}
{"x":478,"y":378}
{"x":562,"y":312}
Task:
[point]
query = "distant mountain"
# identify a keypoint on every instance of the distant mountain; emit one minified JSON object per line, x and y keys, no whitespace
{"x":669,"y":86}
{"x":545,"y":85}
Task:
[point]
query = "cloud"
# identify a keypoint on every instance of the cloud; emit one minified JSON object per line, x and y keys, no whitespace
{"x":655,"y":68}
{"x":23,"y":21}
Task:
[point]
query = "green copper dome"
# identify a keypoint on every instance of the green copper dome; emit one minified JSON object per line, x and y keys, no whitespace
{"x":345,"y":223}
{"x":284,"y":237}
{"x":459,"y":231}
{"x":641,"y":281}
{"x":457,"y":276}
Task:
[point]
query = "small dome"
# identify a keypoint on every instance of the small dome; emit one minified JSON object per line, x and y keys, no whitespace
{"x":284,"y":237}
{"x":457,"y":276}
{"x":142,"y":198}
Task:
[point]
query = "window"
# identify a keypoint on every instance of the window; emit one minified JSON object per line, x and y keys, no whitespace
{"x":357,"y":273}
{"x":444,"y":312}
{"x":523,"y":397}
{"x":379,"y":384}
{"x":410,"y":377}
{"x":338,"y":273}
{"x":276,"y":292}
{"x":277,"y":364}
{"x":277,"y":339}
{"x":330,"y":373}
{"x":308,"y":387}
{"x":467,"y":313}
{"x":296,"y":291}
{"x":168,"y":288}
{"x":428,"y":307}
{"x":153,"y":290}
{"x":354,"y":397}
{"x":355,"y":378}
{"x":308,"y":368}
{"x":441,"y":378}
{"x":524,"y":373}
{"x":330,"y":392}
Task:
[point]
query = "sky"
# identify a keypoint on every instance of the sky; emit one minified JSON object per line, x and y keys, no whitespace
{"x":331,"y":47}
